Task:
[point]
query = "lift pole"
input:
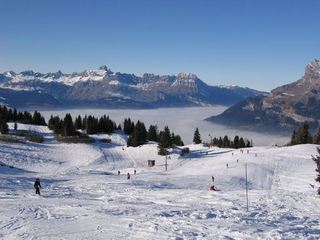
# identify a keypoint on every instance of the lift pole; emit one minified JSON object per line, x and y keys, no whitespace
{"x":247,"y":198}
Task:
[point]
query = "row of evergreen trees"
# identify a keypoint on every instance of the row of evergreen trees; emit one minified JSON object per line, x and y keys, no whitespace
{"x":166,"y":140}
{"x":302,"y":135}
{"x":12,"y":115}
{"x":139,"y":135}
{"x":91,"y":124}
{"x":225,"y":142}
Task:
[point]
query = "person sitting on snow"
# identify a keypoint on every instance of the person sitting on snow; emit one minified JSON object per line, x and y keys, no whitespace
{"x":37,"y":186}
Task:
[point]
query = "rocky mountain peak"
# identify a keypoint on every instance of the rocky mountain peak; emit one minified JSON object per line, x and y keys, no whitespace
{"x":187,"y":76}
{"x":9,"y":74}
{"x":28,"y":73}
{"x":106,"y":69}
{"x":313,"y":69}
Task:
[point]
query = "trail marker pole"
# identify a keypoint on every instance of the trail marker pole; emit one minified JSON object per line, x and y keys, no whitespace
{"x":247,"y":198}
{"x":166,"y":164}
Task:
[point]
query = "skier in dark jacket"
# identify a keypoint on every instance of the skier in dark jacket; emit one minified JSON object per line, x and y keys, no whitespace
{"x":37,"y":186}
{"x":128,"y":176}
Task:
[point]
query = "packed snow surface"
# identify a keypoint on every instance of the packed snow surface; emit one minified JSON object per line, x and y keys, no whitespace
{"x":84,"y":198}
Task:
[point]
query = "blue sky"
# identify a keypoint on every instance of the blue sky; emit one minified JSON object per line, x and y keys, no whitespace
{"x":259,"y":44}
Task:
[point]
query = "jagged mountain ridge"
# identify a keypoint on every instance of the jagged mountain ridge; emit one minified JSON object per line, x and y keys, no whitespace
{"x":285,"y":107}
{"x":106,"y":88}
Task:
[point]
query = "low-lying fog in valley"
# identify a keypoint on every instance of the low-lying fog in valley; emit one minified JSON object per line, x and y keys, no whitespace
{"x":182,"y":121}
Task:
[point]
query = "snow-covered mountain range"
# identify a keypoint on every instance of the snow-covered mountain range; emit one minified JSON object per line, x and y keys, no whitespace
{"x":286,"y":106}
{"x":102,"y":87}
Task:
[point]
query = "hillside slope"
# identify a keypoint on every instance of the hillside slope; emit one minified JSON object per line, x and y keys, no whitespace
{"x":82,"y":196}
{"x":284,"y":108}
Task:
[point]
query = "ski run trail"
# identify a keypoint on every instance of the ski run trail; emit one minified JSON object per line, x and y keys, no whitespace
{"x":84,"y":198}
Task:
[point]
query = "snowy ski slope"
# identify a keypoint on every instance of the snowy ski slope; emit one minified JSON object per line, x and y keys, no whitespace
{"x":83,"y":198}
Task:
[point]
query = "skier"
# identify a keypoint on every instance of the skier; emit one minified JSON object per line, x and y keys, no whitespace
{"x":212,"y":188}
{"x":37,"y":186}
{"x":237,"y":160}
{"x":227,"y":165}
{"x":118,"y":172}
{"x":135,"y":172}
{"x":212,"y":178}
{"x":128,"y":176}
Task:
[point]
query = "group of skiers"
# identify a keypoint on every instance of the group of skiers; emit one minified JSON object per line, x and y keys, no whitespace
{"x":128,"y":174}
{"x":37,"y":184}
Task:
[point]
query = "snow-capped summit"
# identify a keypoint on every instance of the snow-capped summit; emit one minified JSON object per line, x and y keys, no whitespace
{"x":9,"y":73}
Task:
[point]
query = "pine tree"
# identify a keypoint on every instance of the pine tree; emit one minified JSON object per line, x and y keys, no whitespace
{"x":294,"y":138}
{"x":36,"y":118}
{"x":84,"y":122}
{"x":68,"y":128}
{"x":4,"y":129}
{"x":15,"y":115}
{"x":55,"y":124}
{"x":226,"y":142}
{"x":138,"y":136}
{"x":176,"y":140}
{"x":90,"y":128}
{"x":128,"y":126}
{"x":317,"y":161}
{"x":78,"y":123}
{"x":152,"y":133}
{"x":316,"y":138}
{"x":164,"y":141}
{"x":242,"y":144}
{"x":197,"y":137}
{"x":236,"y":142}
{"x":302,"y":135}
